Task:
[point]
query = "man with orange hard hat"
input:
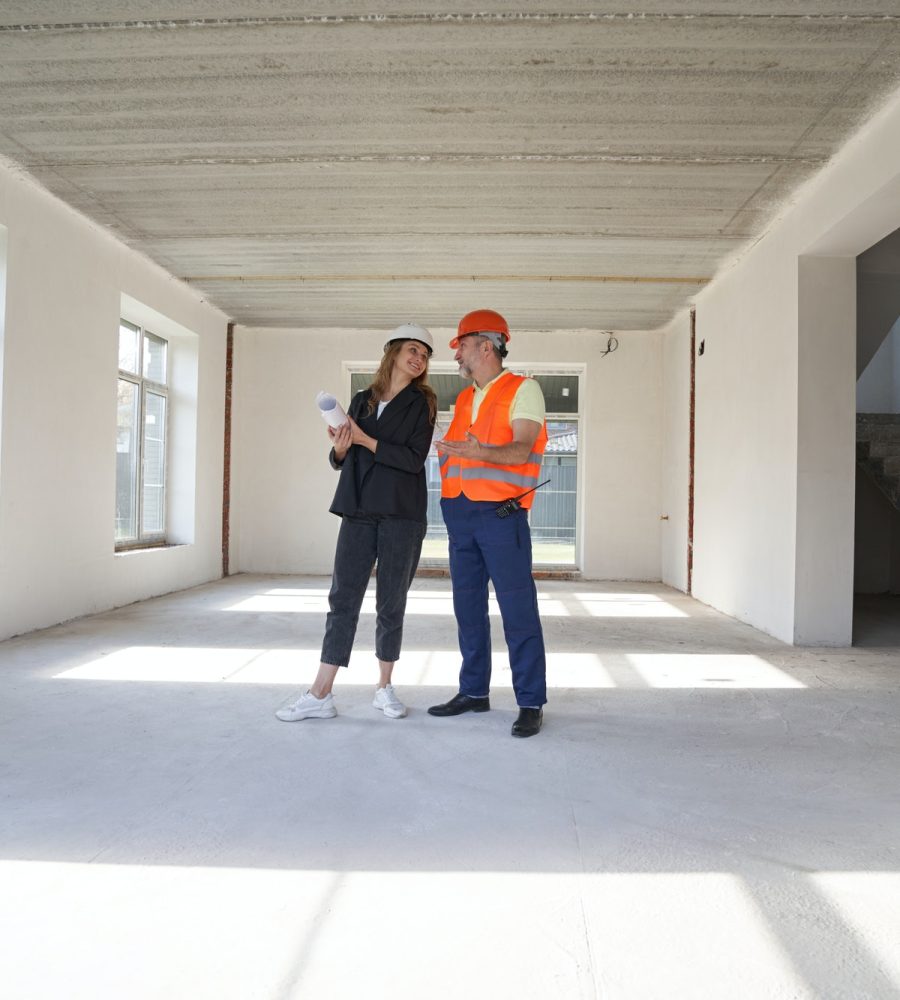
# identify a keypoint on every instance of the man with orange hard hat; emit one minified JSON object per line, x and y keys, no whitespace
{"x":490,"y":457}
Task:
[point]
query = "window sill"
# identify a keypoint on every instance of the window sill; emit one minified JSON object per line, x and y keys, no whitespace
{"x":134,"y":550}
{"x":440,"y":571}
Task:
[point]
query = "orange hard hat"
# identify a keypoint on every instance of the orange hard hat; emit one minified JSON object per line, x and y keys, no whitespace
{"x":481,"y":321}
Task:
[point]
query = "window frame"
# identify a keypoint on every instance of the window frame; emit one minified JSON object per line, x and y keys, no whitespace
{"x":145,"y":385}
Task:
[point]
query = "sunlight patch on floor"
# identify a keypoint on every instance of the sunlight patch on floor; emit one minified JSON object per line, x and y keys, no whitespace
{"x":709,"y":670}
{"x":599,"y":605}
{"x":234,"y":932}
{"x":198,"y":665}
{"x":429,"y":667}
{"x":419,"y":602}
{"x":193,"y":664}
{"x":869,"y":904}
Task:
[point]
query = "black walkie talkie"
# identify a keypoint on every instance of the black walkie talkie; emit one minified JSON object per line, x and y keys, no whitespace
{"x":508,"y":506}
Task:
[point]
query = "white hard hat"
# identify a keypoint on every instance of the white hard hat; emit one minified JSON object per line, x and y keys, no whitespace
{"x":411,"y":331}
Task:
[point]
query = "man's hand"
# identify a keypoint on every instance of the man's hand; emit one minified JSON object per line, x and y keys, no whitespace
{"x":471,"y":448}
{"x":517,"y":452}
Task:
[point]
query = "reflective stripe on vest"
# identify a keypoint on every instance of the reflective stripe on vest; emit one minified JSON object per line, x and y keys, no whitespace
{"x":485,"y":480}
{"x":493,"y":472}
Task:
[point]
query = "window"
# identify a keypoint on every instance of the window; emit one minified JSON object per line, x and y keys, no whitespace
{"x":141,"y":439}
{"x":553,"y":515}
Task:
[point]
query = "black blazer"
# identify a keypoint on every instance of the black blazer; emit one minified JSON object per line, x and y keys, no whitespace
{"x":391,"y":481}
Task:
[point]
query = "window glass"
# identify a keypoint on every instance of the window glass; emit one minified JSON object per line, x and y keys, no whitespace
{"x":141,"y":438}
{"x":553,"y":512}
{"x":154,"y":358}
{"x":126,"y":461}
{"x":153,"y":506}
{"x":560,"y":392}
{"x":129,"y":347}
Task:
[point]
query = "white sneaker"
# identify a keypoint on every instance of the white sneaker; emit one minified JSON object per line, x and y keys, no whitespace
{"x":308,"y":706}
{"x":386,"y":701}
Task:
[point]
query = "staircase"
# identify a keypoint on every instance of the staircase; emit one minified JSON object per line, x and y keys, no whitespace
{"x":878,"y":451}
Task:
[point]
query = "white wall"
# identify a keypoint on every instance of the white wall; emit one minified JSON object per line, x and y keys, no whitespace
{"x":282,"y":484}
{"x":775,"y":409}
{"x":826,"y":451}
{"x":622,"y":413}
{"x":745,"y":464}
{"x":675,"y":443}
{"x":65,"y":282}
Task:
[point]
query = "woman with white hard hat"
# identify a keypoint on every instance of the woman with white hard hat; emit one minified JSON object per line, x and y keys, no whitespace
{"x":382,"y":500}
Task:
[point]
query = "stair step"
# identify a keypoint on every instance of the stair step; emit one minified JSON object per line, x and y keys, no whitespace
{"x":878,"y":418}
{"x":878,"y":432}
{"x":881,"y":427}
{"x":889,"y":485}
{"x":878,"y":452}
{"x":882,"y":449}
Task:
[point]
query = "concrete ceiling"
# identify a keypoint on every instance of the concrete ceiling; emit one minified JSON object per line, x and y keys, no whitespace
{"x":310,"y":166}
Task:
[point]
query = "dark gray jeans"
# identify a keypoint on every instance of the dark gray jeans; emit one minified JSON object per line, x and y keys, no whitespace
{"x":395,"y":544}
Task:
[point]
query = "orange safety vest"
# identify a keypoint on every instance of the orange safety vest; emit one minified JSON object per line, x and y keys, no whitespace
{"x":485,"y":480}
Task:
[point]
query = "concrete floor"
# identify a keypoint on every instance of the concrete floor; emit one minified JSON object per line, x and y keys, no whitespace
{"x":707,"y":813}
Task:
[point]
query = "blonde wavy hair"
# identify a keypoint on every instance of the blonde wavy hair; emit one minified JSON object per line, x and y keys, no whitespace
{"x":382,"y":380}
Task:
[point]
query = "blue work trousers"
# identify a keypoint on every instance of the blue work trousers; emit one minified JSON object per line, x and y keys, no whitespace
{"x":486,"y":547}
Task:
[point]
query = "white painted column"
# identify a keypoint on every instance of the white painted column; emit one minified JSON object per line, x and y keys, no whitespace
{"x":826,"y":443}
{"x":675,"y":433}
{"x":2,"y":321}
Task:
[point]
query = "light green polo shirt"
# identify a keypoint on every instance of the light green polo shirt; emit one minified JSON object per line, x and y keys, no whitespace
{"x":528,"y":402}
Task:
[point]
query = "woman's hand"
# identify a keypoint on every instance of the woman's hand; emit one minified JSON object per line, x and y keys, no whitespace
{"x":348,"y":434}
{"x":341,"y":439}
{"x":358,"y":436}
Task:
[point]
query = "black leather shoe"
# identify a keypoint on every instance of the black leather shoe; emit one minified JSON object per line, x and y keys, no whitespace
{"x":528,"y":722}
{"x":460,"y":703}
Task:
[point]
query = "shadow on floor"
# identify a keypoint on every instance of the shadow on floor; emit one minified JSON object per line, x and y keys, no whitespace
{"x":876,"y":620}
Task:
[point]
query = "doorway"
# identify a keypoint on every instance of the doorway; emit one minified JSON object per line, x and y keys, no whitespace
{"x":876,"y":577}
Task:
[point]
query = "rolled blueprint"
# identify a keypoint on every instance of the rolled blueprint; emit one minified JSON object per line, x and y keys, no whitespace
{"x":331,"y":410}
